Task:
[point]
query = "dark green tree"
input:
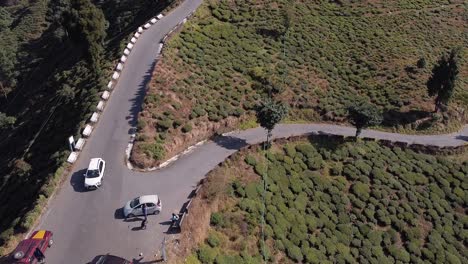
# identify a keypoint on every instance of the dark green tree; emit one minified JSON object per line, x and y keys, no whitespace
{"x":269,"y":113}
{"x":87,"y":26}
{"x":6,"y":121}
{"x":8,"y":51}
{"x":363,"y":115}
{"x":441,"y":84}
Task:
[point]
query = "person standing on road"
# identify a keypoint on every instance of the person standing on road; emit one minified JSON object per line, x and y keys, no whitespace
{"x":174,"y":218}
{"x":145,"y":214}
{"x":145,"y":211}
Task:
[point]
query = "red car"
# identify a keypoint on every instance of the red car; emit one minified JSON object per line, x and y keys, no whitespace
{"x":32,"y":250}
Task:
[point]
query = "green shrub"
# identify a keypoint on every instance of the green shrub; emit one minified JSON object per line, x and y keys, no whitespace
{"x":187,"y":128}
{"x":290,"y":150}
{"x":217,"y":219}
{"x":336,"y":169}
{"x":260,"y":169}
{"x":164,"y":124}
{"x":294,"y":252}
{"x":192,"y":259}
{"x":315,"y":163}
{"x":213,"y":239}
{"x":206,"y":254}
{"x":249,"y":159}
{"x":154,"y":150}
{"x":307,"y":150}
{"x":399,"y":254}
{"x":361,"y":190}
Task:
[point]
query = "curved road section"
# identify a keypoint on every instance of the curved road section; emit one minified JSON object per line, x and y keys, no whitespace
{"x":87,"y":224}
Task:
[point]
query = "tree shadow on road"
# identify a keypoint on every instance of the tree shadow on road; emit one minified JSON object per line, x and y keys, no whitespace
{"x":464,"y":138}
{"x":139,"y":97}
{"x":77,"y":181}
{"x":230,"y":142}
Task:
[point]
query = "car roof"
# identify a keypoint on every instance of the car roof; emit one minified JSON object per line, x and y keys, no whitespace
{"x":148,"y":199}
{"x":27,"y":246}
{"x":94,"y":164}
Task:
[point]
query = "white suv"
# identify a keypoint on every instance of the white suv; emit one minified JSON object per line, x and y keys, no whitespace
{"x":94,"y":173}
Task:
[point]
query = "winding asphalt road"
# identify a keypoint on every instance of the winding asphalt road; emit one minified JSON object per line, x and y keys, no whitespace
{"x":88,"y":223}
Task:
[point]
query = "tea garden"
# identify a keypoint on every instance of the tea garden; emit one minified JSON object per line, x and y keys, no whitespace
{"x":318,"y":56}
{"x":355,"y":202}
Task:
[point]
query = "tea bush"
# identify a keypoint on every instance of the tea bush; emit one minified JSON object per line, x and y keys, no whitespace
{"x":383,"y":214}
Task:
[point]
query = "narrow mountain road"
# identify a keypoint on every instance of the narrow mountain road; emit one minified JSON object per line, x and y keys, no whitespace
{"x":89,"y":223}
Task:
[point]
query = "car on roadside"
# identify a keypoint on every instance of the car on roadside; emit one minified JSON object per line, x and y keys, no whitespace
{"x":26,"y":251}
{"x":134,"y":207}
{"x":94,"y":173}
{"x":110,"y":259}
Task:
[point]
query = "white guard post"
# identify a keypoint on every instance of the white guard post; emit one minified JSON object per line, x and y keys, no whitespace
{"x":80,"y":143}
{"x":87,"y":130}
{"x":100,"y":106}
{"x":105,"y":95}
{"x":72,"y":157}
{"x":116,"y":75}
{"x":94,"y":117}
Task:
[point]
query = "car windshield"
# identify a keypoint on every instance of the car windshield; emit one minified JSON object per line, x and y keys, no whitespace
{"x":134,"y":202}
{"x":92,"y":174}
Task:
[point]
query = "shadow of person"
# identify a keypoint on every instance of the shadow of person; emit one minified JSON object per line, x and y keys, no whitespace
{"x":133,"y":219}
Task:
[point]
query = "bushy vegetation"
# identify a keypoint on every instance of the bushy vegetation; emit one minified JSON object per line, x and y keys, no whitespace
{"x":318,"y":56}
{"x":365,"y":204}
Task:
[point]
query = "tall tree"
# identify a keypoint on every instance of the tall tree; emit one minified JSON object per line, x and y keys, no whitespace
{"x":269,"y":113}
{"x":87,"y":26}
{"x":6,"y":121}
{"x":8,"y":51}
{"x":441,"y":84}
{"x":363,"y":115}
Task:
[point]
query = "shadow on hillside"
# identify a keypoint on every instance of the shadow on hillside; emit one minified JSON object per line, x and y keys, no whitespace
{"x":139,"y":98}
{"x":327,"y":141}
{"x":229,"y":142}
{"x":394,"y":117}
